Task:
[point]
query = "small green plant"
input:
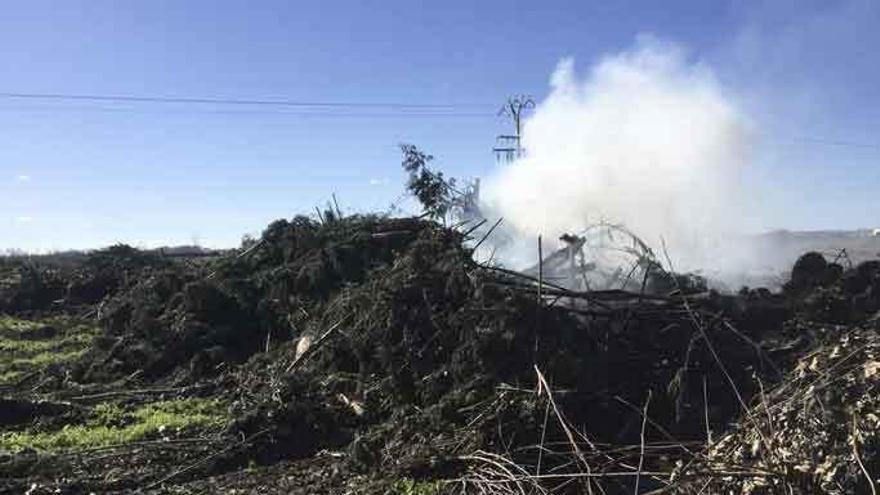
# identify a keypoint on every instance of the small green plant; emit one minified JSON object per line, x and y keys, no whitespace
{"x":108,"y":414}
{"x":434,"y":192}
{"x":406,"y":486}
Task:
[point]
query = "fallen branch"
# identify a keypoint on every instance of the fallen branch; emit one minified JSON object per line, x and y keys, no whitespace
{"x":855,"y":448}
{"x":312,"y":348}
{"x":138,"y":392}
{"x":642,"y":443}
{"x":207,"y":459}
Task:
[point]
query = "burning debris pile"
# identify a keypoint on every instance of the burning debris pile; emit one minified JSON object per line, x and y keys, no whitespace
{"x":375,"y":355}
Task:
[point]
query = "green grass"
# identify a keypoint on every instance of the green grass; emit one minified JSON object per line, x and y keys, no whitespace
{"x":38,"y":346}
{"x":406,"y":486}
{"x":106,"y":424}
{"x":42,"y":359}
{"x":110,"y":424}
{"x":66,"y":324}
{"x":17,"y":324}
{"x":19,"y":355}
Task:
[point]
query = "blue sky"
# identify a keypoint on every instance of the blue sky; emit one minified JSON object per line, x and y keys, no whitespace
{"x":85,"y":174}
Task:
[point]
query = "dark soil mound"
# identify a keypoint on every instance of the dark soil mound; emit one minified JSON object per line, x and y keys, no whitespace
{"x":826,"y":292}
{"x":379,"y":344}
{"x":411,"y":355}
{"x":37,"y":285}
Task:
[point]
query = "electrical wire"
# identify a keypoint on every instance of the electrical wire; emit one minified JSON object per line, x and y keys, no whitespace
{"x":244,"y":112}
{"x":306,"y":108}
{"x":275,"y":102}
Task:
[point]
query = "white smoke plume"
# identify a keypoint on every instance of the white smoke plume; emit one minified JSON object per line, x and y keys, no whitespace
{"x":647,"y":138}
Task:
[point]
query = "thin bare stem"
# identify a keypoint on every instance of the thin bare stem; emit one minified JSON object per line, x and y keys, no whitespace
{"x":565,"y":428}
{"x":642,"y":444}
{"x":488,"y":233}
{"x":855,"y":448}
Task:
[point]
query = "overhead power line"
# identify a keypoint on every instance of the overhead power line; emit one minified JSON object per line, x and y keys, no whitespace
{"x":231,"y":101}
{"x":336,"y":109}
{"x":297,"y":112}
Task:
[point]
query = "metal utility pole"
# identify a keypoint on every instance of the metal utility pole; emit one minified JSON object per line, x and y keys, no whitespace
{"x":509,"y":146}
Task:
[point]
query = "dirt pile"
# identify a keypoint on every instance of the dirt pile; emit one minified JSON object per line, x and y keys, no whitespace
{"x":46,"y":284}
{"x":192,"y":319}
{"x":379,"y":349}
{"x":411,"y":355}
{"x":825,"y":291}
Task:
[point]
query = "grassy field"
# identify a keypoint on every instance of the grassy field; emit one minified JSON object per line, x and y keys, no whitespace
{"x":114,"y":424}
{"x":29,"y":347}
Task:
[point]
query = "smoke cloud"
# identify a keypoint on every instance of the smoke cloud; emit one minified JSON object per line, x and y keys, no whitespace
{"x":646,"y":138}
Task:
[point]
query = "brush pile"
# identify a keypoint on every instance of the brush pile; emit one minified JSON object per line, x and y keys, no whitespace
{"x":67,"y":283}
{"x":375,"y":355}
{"x":816,"y":432}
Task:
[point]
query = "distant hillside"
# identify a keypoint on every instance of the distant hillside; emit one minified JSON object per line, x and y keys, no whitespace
{"x":786,"y":245}
{"x":76,"y":256}
{"x":187,"y":251}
